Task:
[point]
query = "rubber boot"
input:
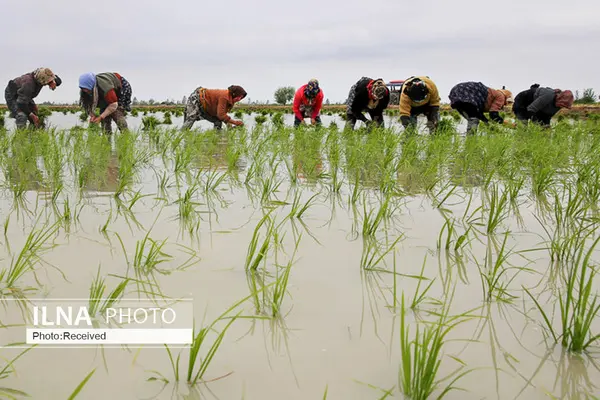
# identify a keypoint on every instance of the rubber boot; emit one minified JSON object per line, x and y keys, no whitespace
{"x":472,"y":124}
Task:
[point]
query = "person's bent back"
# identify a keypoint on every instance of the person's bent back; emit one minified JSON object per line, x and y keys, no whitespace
{"x":212,"y":105}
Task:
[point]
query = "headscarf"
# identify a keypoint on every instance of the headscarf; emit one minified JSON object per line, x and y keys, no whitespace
{"x":564,"y":99}
{"x":87,"y":81}
{"x":312,"y":89}
{"x":507,"y":95}
{"x":417,"y":90}
{"x":237,"y":91}
{"x":377,"y":89}
{"x":43,"y":75}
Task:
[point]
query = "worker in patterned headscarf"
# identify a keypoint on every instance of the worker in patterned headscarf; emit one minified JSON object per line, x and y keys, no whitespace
{"x":419,"y":96}
{"x":21,"y":91}
{"x":473,"y":99}
{"x":371,"y":95}
{"x":308,"y":102}
{"x":540,"y":104}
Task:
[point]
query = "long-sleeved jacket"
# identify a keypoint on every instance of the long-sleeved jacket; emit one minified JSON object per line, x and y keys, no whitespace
{"x":432,"y":98}
{"x":484,"y":98}
{"x":217,"y":102}
{"x":303,"y":106}
{"x":543,"y":102}
{"x":25,"y":88}
{"x":109,"y":85}
{"x":359,"y":100}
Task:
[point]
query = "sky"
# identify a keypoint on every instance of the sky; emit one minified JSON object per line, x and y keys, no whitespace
{"x":166,"y":49}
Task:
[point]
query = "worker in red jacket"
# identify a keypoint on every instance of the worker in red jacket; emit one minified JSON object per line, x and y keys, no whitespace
{"x":307,"y":103}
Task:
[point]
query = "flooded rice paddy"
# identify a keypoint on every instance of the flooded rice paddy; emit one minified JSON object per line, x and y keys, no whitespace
{"x":334,"y":251}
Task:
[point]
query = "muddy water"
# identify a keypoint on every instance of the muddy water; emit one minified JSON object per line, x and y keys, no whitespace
{"x":340,"y":328}
{"x":67,"y":121}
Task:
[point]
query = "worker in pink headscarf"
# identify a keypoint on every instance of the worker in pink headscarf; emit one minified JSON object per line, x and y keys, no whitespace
{"x":539,"y":104}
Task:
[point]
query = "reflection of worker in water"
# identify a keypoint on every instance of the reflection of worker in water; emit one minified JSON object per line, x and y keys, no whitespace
{"x":106,"y":181}
{"x":306,"y":156}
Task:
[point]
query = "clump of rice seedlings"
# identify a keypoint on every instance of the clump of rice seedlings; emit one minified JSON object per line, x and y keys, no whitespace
{"x":98,"y":303}
{"x":255,"y":254}
{"x":281,"y":283}
{"x":297,"y":208}
{"x":43,"y":113}
{"x":134,"y":112}
{"x":374,"y":252}
{"x":83,"y":116}
{"x":260,"y":119}
{"x":37,"y":243}
{"x":167,"y":118}
{"x":571,"y":227}
{"x":188,"y":214}
{"x":277,"y":119}
{"x":579,"y":305}
{"x":147,"y":261}
{"x":199,"y":360}
{"x":452,"y":236}
{"x":494,"y":274}
{"x":446,"y":127}
{"x":420,"y":296}
{"x":6,"y":371}
{"x":496,"y":208}
{"x":371,"y":221}
{"x":422,"y":355}
{"x":269,"y":185}
{"x":149,"y":123}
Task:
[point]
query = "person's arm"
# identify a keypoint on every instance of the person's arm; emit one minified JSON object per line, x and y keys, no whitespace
{"x":546,"y":98}
{"x":498,"y":101}
{"x":113,"y":103}
{"x":318,"y":105}
{"x":405,"y":109}
{"x":222,"y":111}
{"x":296,"y":106}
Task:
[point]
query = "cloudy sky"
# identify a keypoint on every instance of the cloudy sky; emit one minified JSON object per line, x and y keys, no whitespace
{"x":167,"y":48}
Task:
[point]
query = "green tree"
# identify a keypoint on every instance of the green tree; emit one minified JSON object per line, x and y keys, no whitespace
{"x":284,"y":94}
{"x":589,"y":97}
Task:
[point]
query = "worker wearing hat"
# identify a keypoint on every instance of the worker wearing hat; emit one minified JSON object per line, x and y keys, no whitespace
{"x":21,"y":91}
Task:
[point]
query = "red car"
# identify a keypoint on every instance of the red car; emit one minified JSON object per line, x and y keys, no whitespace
{"x":395,"y":87}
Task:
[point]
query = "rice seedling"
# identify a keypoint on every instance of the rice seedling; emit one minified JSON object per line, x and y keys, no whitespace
{"x":97,"y":302}
{"x":81,"y":385}
{"x":494,"y":274}
{"x":199,"y":363}
{"x":6,"y":371}
{"x":37,"y":243}
{"x":422,"y":356}
{"x":578,"y":304}
{"x":254,"y":258}
{"x":297,"y":208}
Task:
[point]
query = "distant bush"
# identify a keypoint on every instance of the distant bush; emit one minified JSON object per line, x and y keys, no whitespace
{"x":589,"y":97}
{"x":284,"y":94}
